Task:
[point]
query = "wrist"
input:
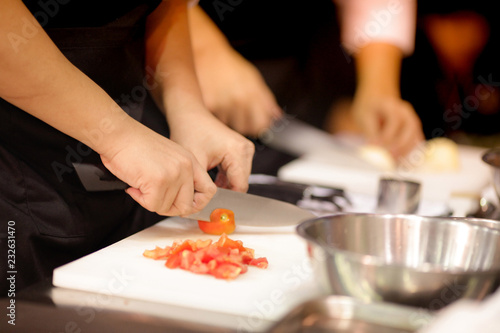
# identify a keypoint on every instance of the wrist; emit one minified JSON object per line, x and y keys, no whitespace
{"x":183,"y":107}
{"x":111,"y":132}
{"x":378,"y":68}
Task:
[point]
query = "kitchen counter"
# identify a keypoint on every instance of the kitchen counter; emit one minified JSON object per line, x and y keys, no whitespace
{"x":45,"y":308}
{"x":36,"y":311}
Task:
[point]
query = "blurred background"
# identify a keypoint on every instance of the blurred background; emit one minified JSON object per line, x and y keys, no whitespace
{"x":452,"y":78}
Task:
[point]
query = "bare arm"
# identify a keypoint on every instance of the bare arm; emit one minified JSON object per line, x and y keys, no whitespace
{"x":378,"y":109}
{"x":178,"y":94}
{"x":380,"y":33}
{"x":37,"y":78}
{"x":233,"y":89}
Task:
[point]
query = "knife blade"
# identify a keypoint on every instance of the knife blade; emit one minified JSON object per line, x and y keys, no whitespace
{"x":249,"y":209}
{"x":254,"y":210}
{"x":299,"y":138}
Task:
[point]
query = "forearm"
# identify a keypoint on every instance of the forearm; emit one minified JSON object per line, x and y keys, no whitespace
{"x":378,"y":69}
{"x":169,"y":54}
{"x":37,"y":78}
{"x":205,"y":35}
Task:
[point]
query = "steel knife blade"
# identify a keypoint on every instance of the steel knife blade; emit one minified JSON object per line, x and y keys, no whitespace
{"x":254,"y":210}
{"x":249,"y":209}
{"x":298,"y":138}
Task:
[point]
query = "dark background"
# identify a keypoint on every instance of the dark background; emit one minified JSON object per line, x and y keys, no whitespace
{"x":296,"y":46}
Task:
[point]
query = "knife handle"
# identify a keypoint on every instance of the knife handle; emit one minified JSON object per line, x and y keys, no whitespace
{"x":96,"y":178}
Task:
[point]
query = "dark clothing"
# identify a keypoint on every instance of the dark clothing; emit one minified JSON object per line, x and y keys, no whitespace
{"x":55,"y":219}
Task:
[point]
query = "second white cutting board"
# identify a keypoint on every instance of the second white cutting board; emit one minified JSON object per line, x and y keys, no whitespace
{"x":255,"y":298}
{"x":325,"y":167}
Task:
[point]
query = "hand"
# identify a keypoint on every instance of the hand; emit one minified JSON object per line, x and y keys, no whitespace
{"x":388,"y":121}
{"x":214,"y":144}
{"x":235,"y":92}
{"x":164,"y":177}
{"x":382,"y":116}
{"x":179,"y":96}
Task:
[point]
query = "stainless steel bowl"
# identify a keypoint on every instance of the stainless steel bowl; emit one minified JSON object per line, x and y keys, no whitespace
{"x":341,"y":314}
{"x":418,"y":261}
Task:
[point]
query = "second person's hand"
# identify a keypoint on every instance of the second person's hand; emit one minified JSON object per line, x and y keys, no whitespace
{"x":215,"y":145}
{"x":389,"y":122}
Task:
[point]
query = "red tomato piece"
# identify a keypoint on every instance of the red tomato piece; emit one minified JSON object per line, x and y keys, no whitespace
{"x":259,"y":262}
{"x":226,"y":271}
{"x":200,"y":244}
{"x":221,"y":222}
{"x":157,"y":253}
{"x":224,"y":259}
{"x":187,"y":259}
{"x":173,"y":261}
{"x":199,"y":268}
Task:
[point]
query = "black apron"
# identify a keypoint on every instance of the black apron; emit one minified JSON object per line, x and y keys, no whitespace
{"x":55,"y":219}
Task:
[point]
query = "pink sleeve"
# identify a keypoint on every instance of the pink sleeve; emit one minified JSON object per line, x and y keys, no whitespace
{"x":390,"y":21}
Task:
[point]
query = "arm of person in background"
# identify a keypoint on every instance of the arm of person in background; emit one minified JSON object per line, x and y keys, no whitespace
{"x":177,"y":93}
{"x":232,"y":88}
{"x":37,"y":78}
{"x":379,"y":34}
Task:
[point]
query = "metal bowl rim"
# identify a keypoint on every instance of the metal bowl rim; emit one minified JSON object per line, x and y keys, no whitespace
{"x":373,"y":260}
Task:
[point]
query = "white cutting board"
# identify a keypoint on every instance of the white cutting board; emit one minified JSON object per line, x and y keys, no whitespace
{"x":254,"y":298}
{"x":323,"y":167}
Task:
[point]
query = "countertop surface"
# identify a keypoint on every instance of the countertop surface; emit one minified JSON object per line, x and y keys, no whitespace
{"x":45,"y":308}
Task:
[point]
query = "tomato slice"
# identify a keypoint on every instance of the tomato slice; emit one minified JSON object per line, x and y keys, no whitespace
{"x":221,"y":222}
{"x":224,"y":259}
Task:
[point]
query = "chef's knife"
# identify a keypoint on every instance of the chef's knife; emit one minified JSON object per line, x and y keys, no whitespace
{"x":298,"y":138}
{"x":249,"y":209}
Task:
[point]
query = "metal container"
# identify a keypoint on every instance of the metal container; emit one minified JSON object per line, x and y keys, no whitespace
{"x":398,"y":196}
{"x":492,"y":158}
{"x":341,"y":314}
{"x":418,"y":261}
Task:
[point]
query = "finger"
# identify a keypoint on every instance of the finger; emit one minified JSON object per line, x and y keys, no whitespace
{"x":405,"y":141}
{"x":204,"y":189}
{"x":221,"y":180}
{"x":183,"y":203}
{"x":409,"y":135}
{"x":392,"y":124}
{"x":369,"y":123}
{"x":259,"y":121}
{"x":237,"y":167}
{"x":137,"y":195}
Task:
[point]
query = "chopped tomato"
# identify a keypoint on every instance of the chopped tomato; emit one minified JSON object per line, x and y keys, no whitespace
{"x":259,"y":262}
{"x":227,"y":271}
{"x":221,"y":222}
{"x":224,"y":259}
{"x":173,"y":261}
{"x":158,"y":253}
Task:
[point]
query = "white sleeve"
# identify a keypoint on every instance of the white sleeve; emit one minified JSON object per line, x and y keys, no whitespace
{"x":390,"y":21}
